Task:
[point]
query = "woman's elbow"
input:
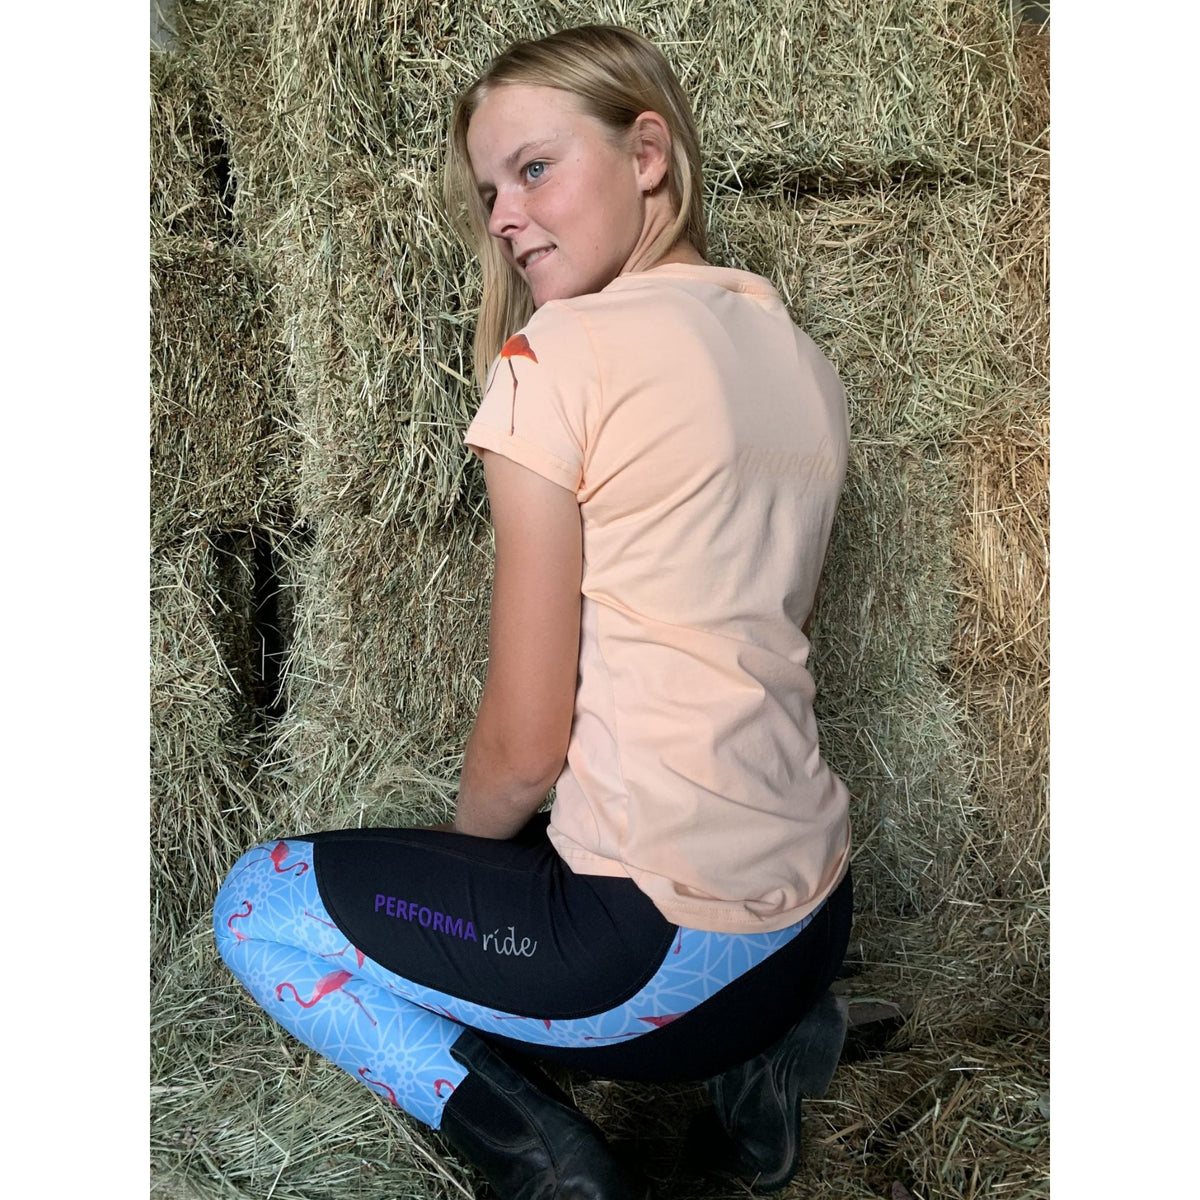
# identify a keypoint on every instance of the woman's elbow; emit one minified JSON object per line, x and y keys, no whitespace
{"x":534,"y":769}
{"x":543,"y":774}
{"x":516,"y":760}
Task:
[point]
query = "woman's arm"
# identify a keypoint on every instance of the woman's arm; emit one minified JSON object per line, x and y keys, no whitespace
{"x":519,"y":743}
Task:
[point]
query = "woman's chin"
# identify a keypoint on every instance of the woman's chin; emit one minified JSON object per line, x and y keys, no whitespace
{"x":543,"y":291}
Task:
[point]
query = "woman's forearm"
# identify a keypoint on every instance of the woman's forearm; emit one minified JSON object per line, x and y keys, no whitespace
{"x":497,"y":794}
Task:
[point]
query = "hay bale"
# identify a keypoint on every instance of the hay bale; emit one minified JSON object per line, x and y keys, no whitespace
{"x":881,"y":644}
{"x":207,"y":802}
{"x":381,"y":310}
{"x":1001,"y":669}
{"x":1031,"y":126}
{"x":1003,"y":550}
{"x":831,"y":90}
{"x":906,"y":288}
{"x":388,"y":657}
{"x":220,"y":408}
{"x":191,"y":189}
{"x":230,"y":41}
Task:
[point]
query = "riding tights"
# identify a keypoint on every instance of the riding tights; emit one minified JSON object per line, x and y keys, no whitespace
{"x":375,"y":947}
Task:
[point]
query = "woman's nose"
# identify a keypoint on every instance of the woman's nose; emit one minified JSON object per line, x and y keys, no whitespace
{"x":506,"y":215}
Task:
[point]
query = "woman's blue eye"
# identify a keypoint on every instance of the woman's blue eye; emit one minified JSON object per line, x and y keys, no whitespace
{"x":530,"y":166}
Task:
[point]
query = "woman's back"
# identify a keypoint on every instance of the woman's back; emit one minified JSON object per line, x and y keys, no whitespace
{"x":705,"y":439}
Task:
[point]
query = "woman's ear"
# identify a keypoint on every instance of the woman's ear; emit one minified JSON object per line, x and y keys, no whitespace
{"x":652,"y":149}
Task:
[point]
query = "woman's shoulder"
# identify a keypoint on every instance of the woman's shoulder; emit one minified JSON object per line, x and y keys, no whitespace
{"x":557,"y":325}
{"x":668,"y":304}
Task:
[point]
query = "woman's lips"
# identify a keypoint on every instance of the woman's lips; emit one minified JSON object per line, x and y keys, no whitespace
{"x":539,"y":257}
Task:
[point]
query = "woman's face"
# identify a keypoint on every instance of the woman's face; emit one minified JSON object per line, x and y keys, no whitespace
{"x":552,"y":178}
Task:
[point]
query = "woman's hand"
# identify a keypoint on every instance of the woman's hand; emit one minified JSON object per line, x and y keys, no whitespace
{"x":519,"y":743}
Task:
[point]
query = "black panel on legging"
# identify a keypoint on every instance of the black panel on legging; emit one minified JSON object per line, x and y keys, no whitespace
{"x":422,"y":903}
{"x":740,"y":1021}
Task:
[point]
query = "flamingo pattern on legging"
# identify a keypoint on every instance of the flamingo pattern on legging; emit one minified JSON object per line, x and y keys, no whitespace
{"x":335,"y":981}
{"x":395,"y":1035}
{"x":358,"y":954}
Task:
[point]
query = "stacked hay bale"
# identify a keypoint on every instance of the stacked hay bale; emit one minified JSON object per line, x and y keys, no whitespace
{"x":869,"y":161}
{"x":219,"y":486}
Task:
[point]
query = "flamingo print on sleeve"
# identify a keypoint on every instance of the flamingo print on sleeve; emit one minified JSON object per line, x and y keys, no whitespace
{"x":516,"y":346}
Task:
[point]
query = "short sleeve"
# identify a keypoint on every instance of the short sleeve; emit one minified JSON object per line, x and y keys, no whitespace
{"x":539,"y":391}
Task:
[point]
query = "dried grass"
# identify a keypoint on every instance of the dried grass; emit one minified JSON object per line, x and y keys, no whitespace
{"x":189,"y":170}
{"x":222,"y":447}
{"x":906,"y":287}
{"x":389,"y":653}
{"x":206,"y":802}
{"x":842,"y":90}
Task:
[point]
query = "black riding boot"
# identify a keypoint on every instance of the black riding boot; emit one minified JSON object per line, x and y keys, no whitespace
{"x":752,"y":1131}
{"x":527,"y":1145}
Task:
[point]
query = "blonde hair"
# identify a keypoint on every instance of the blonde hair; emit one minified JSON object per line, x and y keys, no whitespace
{"x":616,"y":75}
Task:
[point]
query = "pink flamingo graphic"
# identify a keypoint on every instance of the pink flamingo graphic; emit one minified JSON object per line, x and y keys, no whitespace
{"x":279,"y":853}
{"x":437,"y":1086}
{"x":239,"y":916}
{"x":335,"y":981}
{"x":516,"y":346}
{"x":678,"y":943}
{"x":365,"y":1071}
{"x":437,"y":1008}
{"x":502,"y":1017}
{"x":348,"y":946}
{"x":278,"y":856}
{"x":659,"y":1022}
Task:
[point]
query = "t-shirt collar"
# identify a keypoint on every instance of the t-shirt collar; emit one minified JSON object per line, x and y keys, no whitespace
{"x":729,"y":278}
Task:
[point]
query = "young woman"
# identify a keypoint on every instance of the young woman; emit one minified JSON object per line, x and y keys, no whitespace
{"x":663,"y":451}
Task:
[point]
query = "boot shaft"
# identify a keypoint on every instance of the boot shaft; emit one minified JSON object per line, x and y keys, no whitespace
{"x":527,"y":1144}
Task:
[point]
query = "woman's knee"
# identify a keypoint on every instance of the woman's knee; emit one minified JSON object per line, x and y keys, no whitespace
{"x":228,"y":908}
{"x":261,"y":887}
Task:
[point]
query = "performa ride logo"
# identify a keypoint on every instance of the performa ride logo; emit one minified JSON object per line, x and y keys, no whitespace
{"x":459,"y":927}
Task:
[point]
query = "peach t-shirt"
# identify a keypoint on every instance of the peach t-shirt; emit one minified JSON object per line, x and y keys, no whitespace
{"x":704,"y":436}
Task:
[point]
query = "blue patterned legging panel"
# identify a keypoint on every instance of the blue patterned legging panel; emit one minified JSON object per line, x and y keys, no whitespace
{"x":395,"y":1034}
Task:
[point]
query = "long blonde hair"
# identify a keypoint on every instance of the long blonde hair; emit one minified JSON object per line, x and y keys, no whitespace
{"x":616,"y":75}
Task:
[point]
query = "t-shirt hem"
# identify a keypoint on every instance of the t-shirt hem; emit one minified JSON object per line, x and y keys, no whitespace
{"x":526,"y":454}
{"x":714,"y":916}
